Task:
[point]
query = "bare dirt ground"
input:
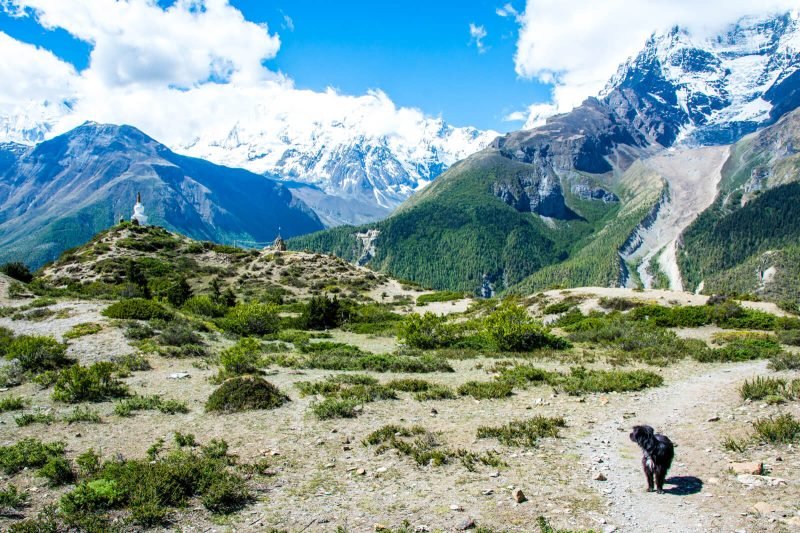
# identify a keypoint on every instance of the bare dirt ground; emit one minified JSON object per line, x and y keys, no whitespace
{"x":314,"y":484}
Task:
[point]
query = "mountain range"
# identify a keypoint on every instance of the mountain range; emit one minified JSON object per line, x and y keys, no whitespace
{"x":59,"y":193}
{"x":610,"y":193}
{"x":671,"y":177}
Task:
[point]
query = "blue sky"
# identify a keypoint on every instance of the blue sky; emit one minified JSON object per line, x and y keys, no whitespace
{"x":419,"y":53}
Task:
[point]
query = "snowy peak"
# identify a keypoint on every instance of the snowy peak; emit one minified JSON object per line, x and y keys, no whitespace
{"x":714,"y":89}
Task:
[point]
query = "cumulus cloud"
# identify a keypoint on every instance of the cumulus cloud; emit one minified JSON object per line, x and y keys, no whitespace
{"x":506,"y":11}
{"x":577,"y":46}
{"x":187,"y":75}
{"x":477,"y":34}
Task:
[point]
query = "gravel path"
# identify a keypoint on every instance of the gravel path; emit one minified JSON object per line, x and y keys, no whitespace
{"x":678,"y":409}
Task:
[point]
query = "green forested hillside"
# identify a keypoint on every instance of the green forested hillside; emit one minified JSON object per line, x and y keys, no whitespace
{"x":457,"y":232}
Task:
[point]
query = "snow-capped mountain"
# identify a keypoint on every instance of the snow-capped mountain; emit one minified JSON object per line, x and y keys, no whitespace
{"x":712,"y":89}
{"x":338,"y":156}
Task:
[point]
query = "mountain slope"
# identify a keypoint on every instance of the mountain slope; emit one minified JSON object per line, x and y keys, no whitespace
{"x":754,"y":222}
{"x":570,"y":202}
{"x":61,"y":192}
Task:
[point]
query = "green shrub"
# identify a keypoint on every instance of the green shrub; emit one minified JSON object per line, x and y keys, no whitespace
{"x":57,"y":470}
{"x":441,"y":296}
{"x":483,"y":390}
{"x":137,"y":331}
{"x":435,"y":392}
{"x":785,"y":361}
{"x":410,"y":385}
{"x":789,"y":337}
{"x":581,"y":380}
{"x":18,"y":271}
{"x":337,"y":356}
{"x":335,"y":408}
{"x":178,"y":333}
{"x":618,"y":304}
{"x":91,"y":497}
{"x":245,"y":393}
{"x":38,"y":354}
{"x":137,"y":309}
{"x":512,"y":329}
{"x":782,"y":429}
{"x":241,"y":358}
{"x":13,"y":498}
{"x":34,"y":418}
{"x":131,"y":362}
{"x":545,"y":527}
{"x":743,"y":349}
{"x":760,"y":388}
{"x":88,"y":463}
{"x":523,"y":432}
{"x":427,"y":331}
{"x":82,"y":414}
{"x":321,"y":312}
{"x":523,"y":375}
{"x":149,"y":403}
{"x":12,"y":403}
{"x":204,"y":305}
{"x":251,"y":319}
{"x":28,"y":453}
{"x":81,"y":330}
{"x":95,"y":383}
{"x":226,"y":494}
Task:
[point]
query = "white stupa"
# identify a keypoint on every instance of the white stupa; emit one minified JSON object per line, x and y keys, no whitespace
{"x":138,"y":212}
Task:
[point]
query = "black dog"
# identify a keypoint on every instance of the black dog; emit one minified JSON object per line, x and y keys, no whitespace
{"x":658,"y":453}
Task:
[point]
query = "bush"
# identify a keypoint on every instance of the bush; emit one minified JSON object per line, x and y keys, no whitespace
{"x":789,"y":337}
{"x":523,"y":432}
{"x":12,"y":403}
{"x":204,"y":305}
{"x":245,"y":393}
{"x":179,"y":292}
{"x":28,"y":453}
{"x":34,"y":418}
{"x":57,"y":470}
{"x":335,"y":408}
{"x":483,"y":390}
{"x":442,"y":296}
{"x":782,"y":429}
{"x":241,"y":358}
{"x":12,"y":498}
{"x":137,"y":309}
{"x":251,"y":319}
{"x":743,"y":349}
{"x":91,"y":497}
{"x":95,"y":383}
{"x":18,"y":271}
{"x":226,"y":494}
{"x":581,"y":380}
{"x":618,"y":304}
{"x":512,"y":329}
{"x":178,"y":333}
{"x":785,"y":361}
{"x":149,"y":403}
{"x":82,"y":414}
{"x":427,"y":331}
{"x":762,"y":388}
{"x":321,"y":312}
{"x":81,"y":330}
{"x":38,"y":354}
{"x":435,"y":392}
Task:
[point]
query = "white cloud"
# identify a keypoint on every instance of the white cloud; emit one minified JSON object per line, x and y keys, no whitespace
{"x":578,"y":45}
{"x":506,"y":11}
{"x":184,"y":75}
{"x":477,"y":35}
{"x":288,"y":22}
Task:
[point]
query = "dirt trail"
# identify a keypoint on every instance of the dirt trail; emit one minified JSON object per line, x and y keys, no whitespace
{"x":678,"y":409}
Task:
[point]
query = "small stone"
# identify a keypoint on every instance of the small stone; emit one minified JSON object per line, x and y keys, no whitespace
{"x":346,"y":448}
{"x":519,"y":496}
{"x":456,"y":507}
{"x":381,"y":470}
{"x":754,"y":468}
{"x":713,"y":480}
{"x":274,"y":453}
{"x":469,"y":523}
{"x":330,"y":465}
{"x":320,"y":442}
{"x":603,"y":400}
{"x":361,"y":472}
{"x":380,"y":527}
{"x":609,"y":529}
{"x":345,"y":440}
{"x":764,"y":508}
{"x":488,"y":492}
{"x":334,"y":430}
{"x":434,"y":412}
{"x":778,"y":459}
{"x":179,"y":375}
{"x":78,"y":435}
{"x":714,"y":418}
{"x":495,"y":474}
{"x":600,"y":477}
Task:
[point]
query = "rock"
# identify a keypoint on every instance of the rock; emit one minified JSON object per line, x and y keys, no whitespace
{"x":600,"y":477}
{"x":713,"y":480}
{"x":380,"y":527}
{"x":714,"y":418}
{"x":346,"y":448}
{"x":519,"y":496}
{"x":345,"y":440}
{"x":456,"y":507}
{"x":495,"y":474}
{"x":609,"y":529}
{"x":330,"y":465}
{"x":78,"y":435}
{"x":274,"y":453}
{"x":754,"y":468}
{"x":764,"y":508}
{"x":434,"y":411}
{"x":793,"y":521}
{"x":760,"y":481}
{"x":381,"y":470}
{"x":179,"y":375}
{"x":334,"y":430}
{"x":361,"y":472}
{"x":320,"y":442}
{"x":488,"y":492}
{"x":469,"y":523}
